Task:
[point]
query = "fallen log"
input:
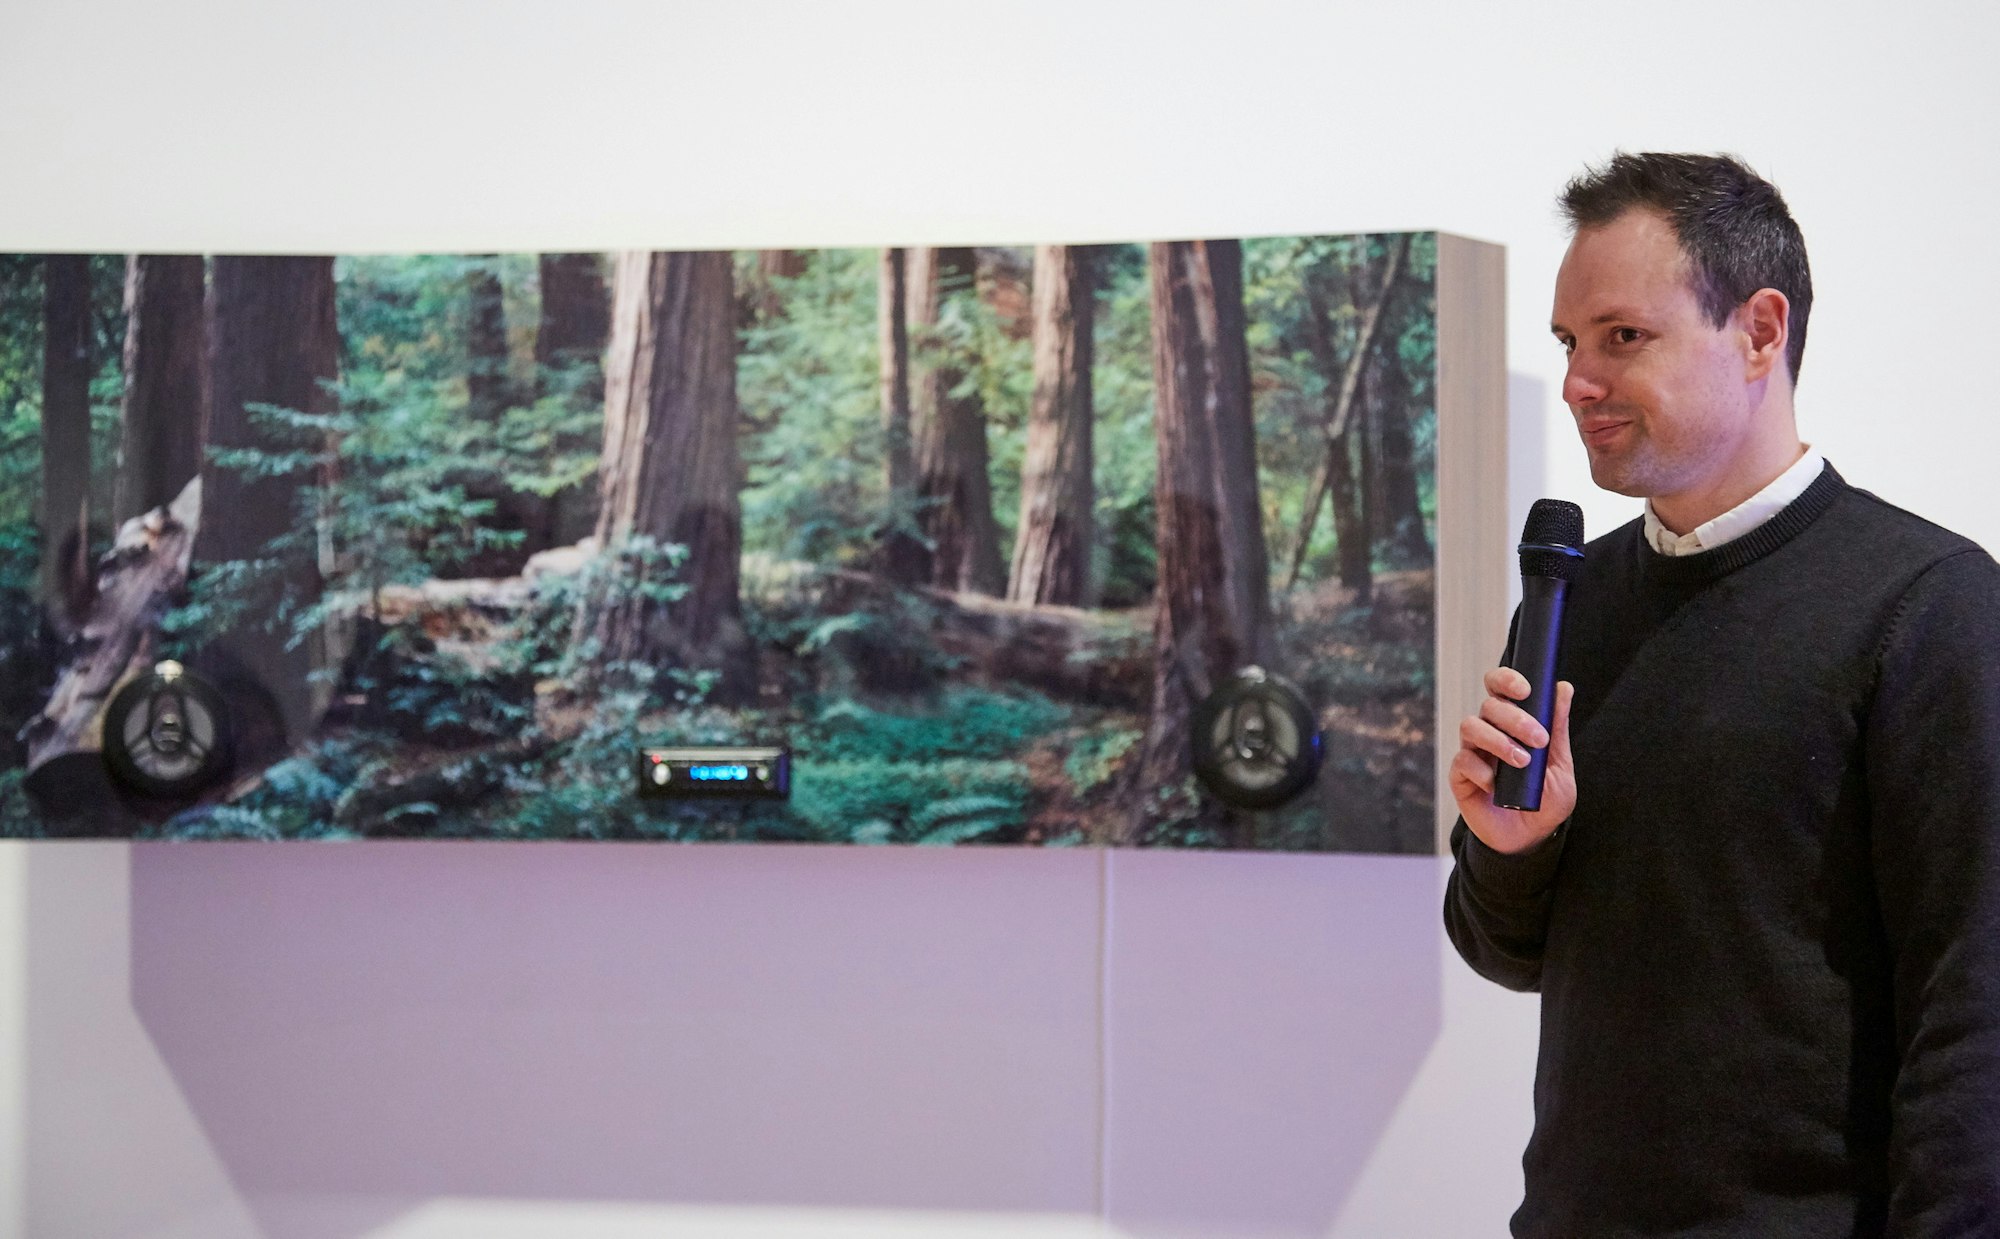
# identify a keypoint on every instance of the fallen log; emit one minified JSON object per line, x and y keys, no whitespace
{"x":137,"y":580}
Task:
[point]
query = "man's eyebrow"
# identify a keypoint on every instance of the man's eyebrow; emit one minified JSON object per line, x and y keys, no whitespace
{"x":1612,"y":315}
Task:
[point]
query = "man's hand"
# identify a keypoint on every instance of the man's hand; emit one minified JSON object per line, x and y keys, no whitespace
{"x":1503,"y":731}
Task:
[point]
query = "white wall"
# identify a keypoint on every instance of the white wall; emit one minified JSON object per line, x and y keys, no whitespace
{"x":294,"y":1054}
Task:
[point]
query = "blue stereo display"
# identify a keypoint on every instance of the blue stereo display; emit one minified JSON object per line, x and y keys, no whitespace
{"x":702,"y":772}
{"x":719,"y":772}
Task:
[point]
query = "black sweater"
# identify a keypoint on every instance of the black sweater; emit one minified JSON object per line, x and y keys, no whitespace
{"x":1768,"y":939}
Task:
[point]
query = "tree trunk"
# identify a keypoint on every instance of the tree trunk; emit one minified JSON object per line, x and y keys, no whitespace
{"x":1212,"y":607}
{"x":1406,"y":544}
{"x":670,"y":469}
{"x":136,"y":583}
{"x":949,"y":434}
{"x":1346,"y":471}
{"x":1053,"y":541}
{"x":576,"y":312}
{"x":1347,"y":374}
{"x":272,"y":341}
{"x":901,"y":552}
{"x":166,"y":381}
{"x":486,"y":385}
{"x":571,"y":333}
{"x":66,"y":367}
{"x":766,"y":302}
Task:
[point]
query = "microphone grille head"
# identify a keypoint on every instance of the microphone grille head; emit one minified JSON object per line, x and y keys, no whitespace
{"x":1552,"y":524}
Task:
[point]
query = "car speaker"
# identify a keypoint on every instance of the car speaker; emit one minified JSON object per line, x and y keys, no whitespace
{"x":1256,"y":742}
{"x":166,"y":734}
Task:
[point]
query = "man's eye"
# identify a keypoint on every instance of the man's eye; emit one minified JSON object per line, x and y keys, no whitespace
{"x":1625,"y":335}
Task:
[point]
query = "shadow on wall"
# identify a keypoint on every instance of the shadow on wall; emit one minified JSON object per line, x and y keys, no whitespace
{"x":358,"y":1029}
{"x":1266,"y":1016}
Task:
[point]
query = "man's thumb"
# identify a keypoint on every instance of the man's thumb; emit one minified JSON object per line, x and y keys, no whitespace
{"x":1559,"y":729}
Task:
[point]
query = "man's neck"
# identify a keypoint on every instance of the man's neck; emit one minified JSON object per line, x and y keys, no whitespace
{"x":1690,"y":510}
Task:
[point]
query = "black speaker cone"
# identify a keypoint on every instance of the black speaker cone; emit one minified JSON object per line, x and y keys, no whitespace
{"x":1256,"y":742}
{"x":166,"y":734}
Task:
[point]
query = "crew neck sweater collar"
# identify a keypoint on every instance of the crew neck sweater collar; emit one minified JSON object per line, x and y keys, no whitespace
{"x":1742,"y":518}
{"x":1704,"y":566}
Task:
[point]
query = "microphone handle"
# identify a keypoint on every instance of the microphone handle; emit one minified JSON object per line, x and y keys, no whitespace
{"x":1536,"y":637}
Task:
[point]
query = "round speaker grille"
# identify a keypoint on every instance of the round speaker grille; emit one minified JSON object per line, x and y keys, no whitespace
{"x":166,"y":734}
{"x":1256,"y":744}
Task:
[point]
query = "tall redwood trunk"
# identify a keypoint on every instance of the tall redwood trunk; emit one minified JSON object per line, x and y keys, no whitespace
{"x":487,"y":392}
{"x":1405,"y":543}
{"x":949,"y":434}
{"x":1347,"y":476}
{"x":165,"y":406}
{"x":574,"y":324}
{"x":272,"y":341}
{"x":1052,"y":543}
{"x":66,"y":367}
{"x":901,"y":552}
{"x":670,"y":468}
{"x":772,"y":267}
{"x":1212,"y":605}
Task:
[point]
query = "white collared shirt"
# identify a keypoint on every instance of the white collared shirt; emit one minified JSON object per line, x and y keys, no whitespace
{"x":1742,"y":518}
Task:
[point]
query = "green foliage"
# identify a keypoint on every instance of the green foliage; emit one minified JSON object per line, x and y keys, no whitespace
{"x":1095,"y":756}
{"x":965,"y":819}
{"x":995,"y":354}
{"x":412,"y":689}
{"x":1123,"y":444}
{"x":21,"y":361}
{"x":808,"y":386}
{"x":402,"y":482}
{"x":294,"y":799}
{"x":876,"y":801}
{"x":28,"y":650}
{"x":1295,"y":389}
{"x":18,"y":819}
{"x":965,"y":722}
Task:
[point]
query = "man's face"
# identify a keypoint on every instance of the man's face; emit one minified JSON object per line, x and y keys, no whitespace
{"x":1658,"y":392}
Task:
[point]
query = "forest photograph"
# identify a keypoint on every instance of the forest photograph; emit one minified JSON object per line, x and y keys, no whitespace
{"x":970,"y":531}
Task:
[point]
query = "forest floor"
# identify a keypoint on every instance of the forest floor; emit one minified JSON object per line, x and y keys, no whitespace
{"x":1023,"y":730}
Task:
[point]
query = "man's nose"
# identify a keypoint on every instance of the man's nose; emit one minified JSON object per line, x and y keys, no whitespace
{"x":1580,"y":386}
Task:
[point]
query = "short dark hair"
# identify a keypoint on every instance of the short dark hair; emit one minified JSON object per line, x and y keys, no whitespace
{"x":1731,"y":223}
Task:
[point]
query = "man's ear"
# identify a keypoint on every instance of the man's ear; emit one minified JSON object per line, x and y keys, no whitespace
{"x":1766,"y":322}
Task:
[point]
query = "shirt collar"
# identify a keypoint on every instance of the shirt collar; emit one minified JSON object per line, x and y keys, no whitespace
{"x":1742,"y":518}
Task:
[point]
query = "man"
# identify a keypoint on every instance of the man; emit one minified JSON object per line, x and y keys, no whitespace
{"x":1761,"y":899}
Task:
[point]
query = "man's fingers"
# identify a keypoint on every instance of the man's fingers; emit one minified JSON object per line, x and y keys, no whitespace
{"x":1513,"y":721}
{"x":1506,"y":682}
{"x":1470,"y":768}
{"x":1484,"y":737}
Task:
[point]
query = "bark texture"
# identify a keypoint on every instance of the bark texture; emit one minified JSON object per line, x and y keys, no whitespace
{"x":670,"y":469}
{"x":573,"y":327}
{"x":954,"y":490}
{"x":1053,"y":539}
{"x":1212,"y":608}
{"x":164,"y":409}
{"x":272,"y":341}
{"x":901,"y":554}
{"x":66,"y":367}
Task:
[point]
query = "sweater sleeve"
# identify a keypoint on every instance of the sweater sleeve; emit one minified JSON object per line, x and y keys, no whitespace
{"x":1932,"y":748}
{"x":1496,"y":906}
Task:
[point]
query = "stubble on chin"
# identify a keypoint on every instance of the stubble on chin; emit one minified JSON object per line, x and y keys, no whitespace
{"x":1621,"y":473}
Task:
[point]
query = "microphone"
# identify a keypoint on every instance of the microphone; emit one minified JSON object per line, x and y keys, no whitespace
{"x":1551,"y":556}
